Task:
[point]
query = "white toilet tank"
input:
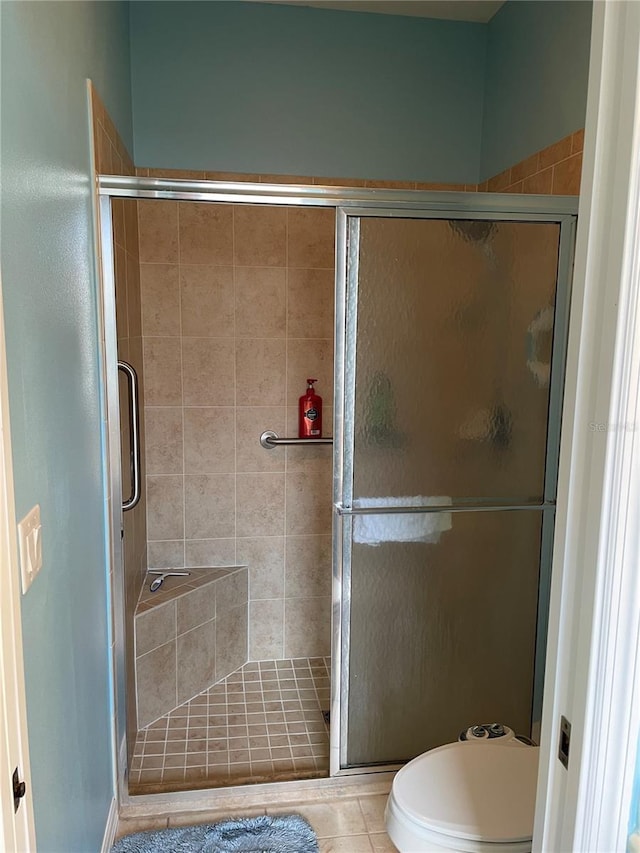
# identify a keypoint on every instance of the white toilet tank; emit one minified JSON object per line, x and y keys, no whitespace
{"x":474,"y":796}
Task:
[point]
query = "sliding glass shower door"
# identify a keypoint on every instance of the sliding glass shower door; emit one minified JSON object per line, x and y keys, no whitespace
{"x":454,"y":338}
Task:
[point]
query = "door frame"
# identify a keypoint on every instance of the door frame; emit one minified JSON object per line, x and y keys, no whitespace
{"x":17,"y":830}
{"x":593,"y":656}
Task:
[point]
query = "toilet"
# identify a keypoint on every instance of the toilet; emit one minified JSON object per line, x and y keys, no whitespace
{"x":473,"y":796}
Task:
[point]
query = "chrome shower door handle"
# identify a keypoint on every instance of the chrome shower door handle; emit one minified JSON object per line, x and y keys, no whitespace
{"x":134,"y":432}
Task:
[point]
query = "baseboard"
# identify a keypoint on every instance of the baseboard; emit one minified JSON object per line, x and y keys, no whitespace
{"x":111,"y":827}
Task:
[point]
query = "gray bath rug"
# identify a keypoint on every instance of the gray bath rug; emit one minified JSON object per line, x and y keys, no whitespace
{"x":264,"y":834}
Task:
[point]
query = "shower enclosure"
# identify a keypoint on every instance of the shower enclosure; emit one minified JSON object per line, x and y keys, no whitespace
{"x":450,"y":331}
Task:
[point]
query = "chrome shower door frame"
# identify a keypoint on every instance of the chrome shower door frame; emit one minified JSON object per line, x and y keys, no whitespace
{"x":347,"y":203}
{"x":506,"y":208}
{"x":113,"y":483}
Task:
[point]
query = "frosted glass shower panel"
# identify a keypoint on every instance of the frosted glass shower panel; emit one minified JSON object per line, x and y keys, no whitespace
{"x":453,"y":351}
{"x":442,"y":633}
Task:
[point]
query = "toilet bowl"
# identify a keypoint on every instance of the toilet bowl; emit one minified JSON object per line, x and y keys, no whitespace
{"x":475,"y":796}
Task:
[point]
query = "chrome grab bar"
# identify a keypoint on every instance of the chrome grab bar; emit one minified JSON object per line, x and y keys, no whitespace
{"x":270,"y":439}
{"x":134,"y":432}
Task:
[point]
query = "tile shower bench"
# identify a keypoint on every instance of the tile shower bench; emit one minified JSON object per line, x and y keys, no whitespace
{"x":189,"y":634}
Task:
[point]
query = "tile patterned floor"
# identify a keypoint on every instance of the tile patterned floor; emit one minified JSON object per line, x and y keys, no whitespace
{"x":262,"y":723}
{"x":343,"y":825}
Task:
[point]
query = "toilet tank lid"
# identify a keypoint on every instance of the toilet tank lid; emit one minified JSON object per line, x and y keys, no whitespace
{"x":475,"y":791}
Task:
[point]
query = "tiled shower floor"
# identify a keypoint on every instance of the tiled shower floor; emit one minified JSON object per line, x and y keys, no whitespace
{"x":262,"y":723}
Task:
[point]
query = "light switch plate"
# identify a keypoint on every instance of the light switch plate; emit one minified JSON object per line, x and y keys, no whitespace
{"x":30,"y":544}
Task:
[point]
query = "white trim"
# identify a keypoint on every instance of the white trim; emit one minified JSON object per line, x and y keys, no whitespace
{"x":612,"y":713}
{"x":593,"y":672}
{"x":17,"y":831}
{"x":111,"y":827}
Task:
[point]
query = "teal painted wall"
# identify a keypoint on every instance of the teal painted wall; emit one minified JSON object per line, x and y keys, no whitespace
{"x":536,"y":79}
{"x":262,"y":88}
{"x":268,"y":89}
{"x":48,"y":49}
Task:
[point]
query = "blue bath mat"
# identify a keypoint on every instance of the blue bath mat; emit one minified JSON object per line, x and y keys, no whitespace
{"x":264,"y":834}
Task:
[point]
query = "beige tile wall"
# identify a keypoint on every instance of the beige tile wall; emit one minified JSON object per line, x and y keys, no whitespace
{"x":237,"y":311}
{"x":555,"y":170}
{"x":111,"y":156}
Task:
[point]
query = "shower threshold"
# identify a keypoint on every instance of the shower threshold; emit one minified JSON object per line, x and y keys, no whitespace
{"x":263,"y":723}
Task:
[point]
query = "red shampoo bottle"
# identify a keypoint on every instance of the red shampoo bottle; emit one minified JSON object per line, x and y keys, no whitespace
{"x":310,"y":413}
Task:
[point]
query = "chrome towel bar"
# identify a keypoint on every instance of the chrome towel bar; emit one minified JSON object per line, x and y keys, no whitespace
{"x":401,"y":510}
{"x":270,"y":439}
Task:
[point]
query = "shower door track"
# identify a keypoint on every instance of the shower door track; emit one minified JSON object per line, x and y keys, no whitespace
{"x":346,"y":202}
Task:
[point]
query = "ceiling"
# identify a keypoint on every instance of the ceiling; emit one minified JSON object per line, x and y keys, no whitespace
{"x":478,"y":11}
